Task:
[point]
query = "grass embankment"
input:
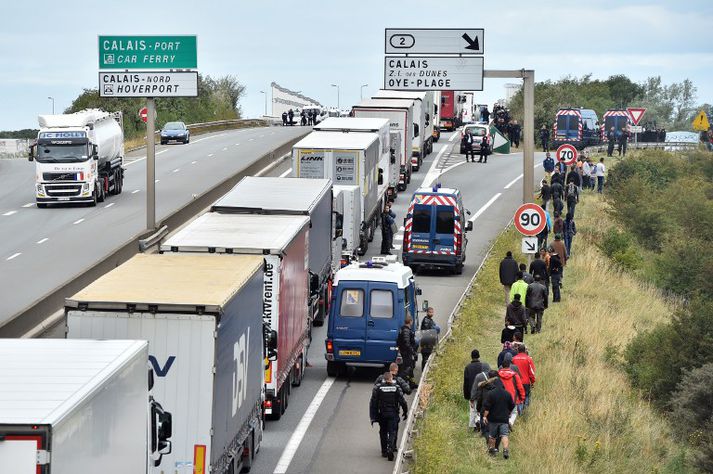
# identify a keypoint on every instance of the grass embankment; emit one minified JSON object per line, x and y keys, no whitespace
{"x":584,"y":416}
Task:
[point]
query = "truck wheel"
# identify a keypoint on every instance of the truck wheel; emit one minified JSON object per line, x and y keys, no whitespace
{"x":95,"y":197}
{"x":120,"y":182}
{"x":101,"y":196}
{"x":458,"y":269}
{"x":248,"y":461}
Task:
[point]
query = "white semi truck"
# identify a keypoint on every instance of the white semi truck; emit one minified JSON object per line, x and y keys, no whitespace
{"x":423,"y":118}
{"x":71,"y":406}
{"x":348,"y":159}
{"x":79,"y":157}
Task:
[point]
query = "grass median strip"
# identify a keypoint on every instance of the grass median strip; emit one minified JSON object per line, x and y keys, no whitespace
{"x":584,"y":416}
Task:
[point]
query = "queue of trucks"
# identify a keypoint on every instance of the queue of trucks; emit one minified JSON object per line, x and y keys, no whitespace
{"x":223,"y":313}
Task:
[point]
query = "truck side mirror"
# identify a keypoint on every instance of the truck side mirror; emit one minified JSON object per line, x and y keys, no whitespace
{"x":381,"y":177}
{"x":468,"y":226}
{"x":393,"y":156}
{"x":161,"y":431}
{"x":95,"y":152}
{"x":424,"y":305}
{"x":151,"y":381}
{"x":272,"y":345}
{"x":31,"y":153}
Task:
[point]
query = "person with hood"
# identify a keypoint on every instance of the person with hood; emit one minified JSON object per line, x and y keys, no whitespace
{"x":512,"y":383}
{"x":515,"y":318}
{"x":508,"y":274}
{"x":526,"y":367}
{"x":509,"y":347}
{"x":386,"y":398}
{"x":558,"y":224}
{"x":570,"y":230}
{"x":536,"y":301}
{"x":561,"y":250}
{"x":485,"y":381}
{"x":470,"y":373}
{"x":519,"y":287}
{"x":545,"y":139}
{"x":555,"y":275}
{"x":428,"y":324}
{"x":406,"y":343}
{"x":394,"y":369}
{"x":497,"y":406}
{"x":548,"y":164}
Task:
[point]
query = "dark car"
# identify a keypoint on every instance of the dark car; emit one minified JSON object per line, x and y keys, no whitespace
{"x":175,"y":131}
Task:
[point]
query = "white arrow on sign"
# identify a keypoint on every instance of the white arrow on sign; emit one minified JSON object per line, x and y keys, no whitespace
{"x":529,"y":245}
{"x":434,"y":41}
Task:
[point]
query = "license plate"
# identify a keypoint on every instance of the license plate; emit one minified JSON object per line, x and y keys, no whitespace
{"x":421,"y":247}
{"x":63,"y":199}
{"x":350,"y":353}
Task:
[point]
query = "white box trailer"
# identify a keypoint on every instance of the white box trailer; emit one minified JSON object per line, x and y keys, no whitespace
{"x":282,"y":242}
{"x":347,"y":159}
{"x":423,"y":116}
{"x":388,"y":164}
{"x":202,"y":318}
{"x":296,"y":197}
{"x":69,"y":406}
{"x":399,"y":112}
{"x":347,"y":203}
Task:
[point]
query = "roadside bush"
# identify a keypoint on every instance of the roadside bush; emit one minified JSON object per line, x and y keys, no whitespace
{"x":621,"y":247}
{"x":692,"y":408}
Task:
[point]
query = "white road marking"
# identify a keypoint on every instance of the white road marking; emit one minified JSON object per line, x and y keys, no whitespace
{"x":396,"y":247}
{"x":453,"y":137}
{"x":250,"y":139}
{"x":9,"y":213}
{"x":159,"y":152}
{"x":177,"y":170}
{"x":482,"y":209}
{"x":135,"y":191}
{"x":135,"y":161}
{"x":507,"y":186}
{"x":291,"y":449}
{"x":451,"y":167}
{"x":206,"y":138}
{"x":20,"y":253}
{"x":210,"y":154}
{"x":193,"y":162}
{"x":109,"y":205}
{"x":78,"y":221}
{"x":286,"y":173}
{"x":225,"y":148}
{"x":42,"y":241}
{"x":433,"y":172}
{"x":237,"y":144}
{"x":398,"y":237}
{"x":29,"y":204}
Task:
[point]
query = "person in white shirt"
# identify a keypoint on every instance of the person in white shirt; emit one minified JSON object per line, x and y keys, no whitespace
{"x":600,"y":171}
{"x":586,"y":171}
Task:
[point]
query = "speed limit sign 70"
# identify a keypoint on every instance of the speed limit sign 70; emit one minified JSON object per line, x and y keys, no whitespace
{"x":567,"y":154}
{"x":530,"y":219}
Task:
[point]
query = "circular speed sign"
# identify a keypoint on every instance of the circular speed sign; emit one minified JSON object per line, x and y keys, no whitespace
{"x":530,"y":219}
{"x":567,"y":154}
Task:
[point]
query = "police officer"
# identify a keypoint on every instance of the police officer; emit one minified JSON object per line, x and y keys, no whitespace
{"x":545,"y":138}
{"x":468,"y":145}
{"x":406,"y":342}
{"x":611,"y":141}
{"x":394,"y":369}
{"x":303,"y":116}
{"x":284,"y":119}
{"x":426,"y":325}
{"x":386,"y":397}
{"x":387,"y":230}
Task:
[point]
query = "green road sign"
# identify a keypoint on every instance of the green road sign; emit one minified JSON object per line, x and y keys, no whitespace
{"x":148,"y":52}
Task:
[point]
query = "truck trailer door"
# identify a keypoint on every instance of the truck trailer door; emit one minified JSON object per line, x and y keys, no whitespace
{"x":19,"y":454}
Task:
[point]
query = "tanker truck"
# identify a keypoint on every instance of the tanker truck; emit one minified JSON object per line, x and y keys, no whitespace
{"x":78,"y":157}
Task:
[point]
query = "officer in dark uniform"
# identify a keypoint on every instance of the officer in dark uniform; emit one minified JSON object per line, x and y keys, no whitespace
{"x":428,"y":324}
{"x":406,"y":342}
{"x":284,"y":119}
{"x":611,"y":141}
{"x":386,"y":397}
{"x":291,"y":116}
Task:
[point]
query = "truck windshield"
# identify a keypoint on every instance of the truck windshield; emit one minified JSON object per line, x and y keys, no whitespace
{"x":62,"y":153}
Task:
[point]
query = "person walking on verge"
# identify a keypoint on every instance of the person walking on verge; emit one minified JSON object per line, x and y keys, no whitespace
{"x":545,"y":193}
{"x":519,"y":287}
{"x":544,"y":235}
{"x":600,"y":171}
{"x":482,"y":386}
{"x":536,"y":302}
{"x":525,"y":275}
{"x":556,"y":276}
{"x":394,"y":369}
{"x":509,"y":347}
{"x":468,"y":145}
{"x":387,"y":230}
{"x":508,"y":274}
{"x":572,"y":198}
{"x":560,"y":248}
{"x":483,"y":157}
{"x":513,"y":384}
{"x":558,"y":223}
{"x":527,"y":371}
{"x":548,"y":164}
{"x":428,"y":324}
{"x":470,"y":373}
{"x":570,"y":230}
{"x":515,"y":318}
{"x":497,"y":406}
{"x":539,"y":267}
{"x":406,"y":343}
{"x":386,"y":398}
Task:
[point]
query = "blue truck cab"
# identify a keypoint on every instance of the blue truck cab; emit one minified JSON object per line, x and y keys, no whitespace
{"x":370,"y":301}
{"x":435,"y":229}
{"x":576,"y":126}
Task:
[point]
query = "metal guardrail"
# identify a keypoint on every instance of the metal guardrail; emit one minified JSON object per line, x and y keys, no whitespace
{"x":405,"y":453}
{"x":667,"y":146}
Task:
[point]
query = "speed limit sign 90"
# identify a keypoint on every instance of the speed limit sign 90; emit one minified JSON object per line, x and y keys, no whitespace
{"x":530,"y":219}
{"x":567,"y":154}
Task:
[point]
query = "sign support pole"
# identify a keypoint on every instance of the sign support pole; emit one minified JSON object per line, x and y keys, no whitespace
{"x":528,"y":161}
{"x":151,"y":164}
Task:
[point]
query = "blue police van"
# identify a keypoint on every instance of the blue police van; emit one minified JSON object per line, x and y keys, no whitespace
{"x":576,"y":126}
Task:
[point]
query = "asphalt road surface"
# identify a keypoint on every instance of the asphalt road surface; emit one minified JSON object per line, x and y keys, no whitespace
{"x":40,"y":249}
{"x":326,"y":427}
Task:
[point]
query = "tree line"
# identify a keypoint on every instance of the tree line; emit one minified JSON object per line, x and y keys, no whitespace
{"x":670,"y":106}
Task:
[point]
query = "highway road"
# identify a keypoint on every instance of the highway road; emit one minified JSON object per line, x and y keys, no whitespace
{"x":326,"y":427}
{"x":42,"y":248}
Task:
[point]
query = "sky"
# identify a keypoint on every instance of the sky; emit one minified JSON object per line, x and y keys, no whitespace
{"x":49,"y":48}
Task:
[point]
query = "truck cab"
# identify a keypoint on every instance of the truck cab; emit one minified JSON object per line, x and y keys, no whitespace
{"x":370,"y":301}
{"x":435,"y":229}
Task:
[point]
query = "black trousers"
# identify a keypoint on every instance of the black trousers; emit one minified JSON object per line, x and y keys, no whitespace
{"x":469,"y":152}
{"x":424,"y":358}
{"x":387,"y":238}
{"x":388,"y":432}
{"x":483,"y":155}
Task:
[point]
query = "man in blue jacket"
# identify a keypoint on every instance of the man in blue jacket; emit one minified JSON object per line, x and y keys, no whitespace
{"x":548,"y":164}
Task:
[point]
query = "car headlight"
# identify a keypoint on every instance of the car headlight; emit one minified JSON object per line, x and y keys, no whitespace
{"x":39,"y":189}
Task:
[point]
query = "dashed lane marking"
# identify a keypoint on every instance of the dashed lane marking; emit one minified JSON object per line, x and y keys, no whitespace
{"x":157,"y":181}
{"x":225,"y":148}
{"x":286,"y":173}
{"x":109,"y":205}
{"x":177,"y":170}
{"x":9,"y":213}
{"x":211,"y":154}
{"x":453,"y":137}
{"x":78,"y":221}
{"x":507,"y":186}
{"x":135,"y":191}
{"x":29,"y":204}
{"x":486,"y":206}
{"x":15,"y":255}
{"x":193,"y":162}
{"x":42,"y":241}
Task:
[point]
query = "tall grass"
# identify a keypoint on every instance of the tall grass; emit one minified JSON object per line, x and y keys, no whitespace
{"x":584,"y":416}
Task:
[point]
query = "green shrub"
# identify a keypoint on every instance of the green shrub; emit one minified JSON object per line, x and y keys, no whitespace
{"x":692,"y":408}
{"x":620,"y":247}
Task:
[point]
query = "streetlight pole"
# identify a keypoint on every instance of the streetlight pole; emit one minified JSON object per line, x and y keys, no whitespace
{"x":263,"y":92}
{"x":361,"y":91}
{"x":52,"y":99}
{"x":337,"y":86}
